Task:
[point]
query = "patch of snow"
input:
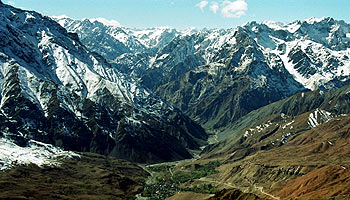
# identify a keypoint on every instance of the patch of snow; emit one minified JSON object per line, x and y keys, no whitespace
{"x":274,"y":25}
{"x":285,"y":137}
{"x":348,"y":35}
{"x":319,"y":117}
{"x":29,"y":16}
{"x":262,"y":127}
{"x":151,"y":37}
{"x":37,"y":153}
{"x":121,"y":37}
{"x":288,"y":124}
{"x":162,"y":57}
{"x":189,"y":31}
{"x":61,"y":17}
{"x":255,"y":29}
{"x":334,"y":28}
{"x":63,"y":20}
{"x":246,"y":134}
{"x":284,"y":116}
{"x":292,"y":28}
{"x":290,"y":67}
{"x":323,"y":75}
{"x":313,"y":20}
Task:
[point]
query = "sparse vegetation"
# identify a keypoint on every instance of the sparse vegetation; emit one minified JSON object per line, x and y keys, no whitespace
{"x":168,"y":184}
{"x":204,"y":188}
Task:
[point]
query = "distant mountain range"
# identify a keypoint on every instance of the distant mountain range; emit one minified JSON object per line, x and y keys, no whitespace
{"x":217,"y":76}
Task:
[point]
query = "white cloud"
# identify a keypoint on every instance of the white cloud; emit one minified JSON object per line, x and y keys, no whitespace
{"x":214,"y":7}
{"x":234,"y":9}
{"x":202,"y":5}
{"x":12,"y":3}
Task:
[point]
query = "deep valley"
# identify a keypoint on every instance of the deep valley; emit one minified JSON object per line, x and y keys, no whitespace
{"x":90,"y":110}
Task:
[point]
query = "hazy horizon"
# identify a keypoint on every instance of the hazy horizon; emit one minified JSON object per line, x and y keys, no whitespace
{"x":184,"y":14}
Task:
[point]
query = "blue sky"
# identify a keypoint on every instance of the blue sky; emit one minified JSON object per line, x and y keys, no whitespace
{"x":189,"y":13}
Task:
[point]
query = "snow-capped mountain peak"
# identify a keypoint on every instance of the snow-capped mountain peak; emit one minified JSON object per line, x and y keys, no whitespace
{"x":106,"y":22}
{"x":313,"y":20}
{"x":64,"y":16}
{"x":53,"y":89}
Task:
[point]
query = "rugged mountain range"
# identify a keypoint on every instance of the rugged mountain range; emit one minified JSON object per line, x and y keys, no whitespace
{"x":218,"y":76}
{"x":53,"y":89}
{"x":276,"y":96}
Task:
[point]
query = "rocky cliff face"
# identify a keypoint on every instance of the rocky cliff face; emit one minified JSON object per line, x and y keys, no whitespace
{"x":54,"y":90}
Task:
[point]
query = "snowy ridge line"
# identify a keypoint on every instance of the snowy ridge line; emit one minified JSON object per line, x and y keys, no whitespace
{"x":326,"y":55}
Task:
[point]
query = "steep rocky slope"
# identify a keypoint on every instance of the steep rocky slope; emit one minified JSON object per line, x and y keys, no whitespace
{"x":54,"y":90}
{"x":241,"y":81}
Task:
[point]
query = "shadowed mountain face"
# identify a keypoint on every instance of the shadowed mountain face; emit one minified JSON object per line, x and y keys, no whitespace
{"x":54,"y":90}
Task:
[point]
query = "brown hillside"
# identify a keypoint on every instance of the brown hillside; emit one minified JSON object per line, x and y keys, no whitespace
{"x":304,"y":151}
{"x":327,"y":181}
{"x":91,"y":177}
{"x":234,"y":194}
